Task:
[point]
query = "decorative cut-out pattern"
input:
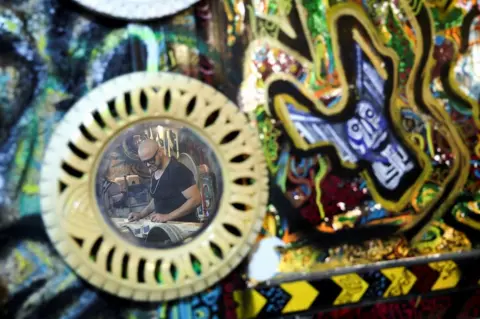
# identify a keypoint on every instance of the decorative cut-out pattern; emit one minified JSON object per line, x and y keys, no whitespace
{"x":74,"y":221}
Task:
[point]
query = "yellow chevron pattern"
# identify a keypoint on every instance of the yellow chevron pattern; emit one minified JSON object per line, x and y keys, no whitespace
{"x":255,"y":304}
{"x":302,"y":296}
{"x":353,"y":288}
{"x":402,"y":281}
{"x":449,"y":274}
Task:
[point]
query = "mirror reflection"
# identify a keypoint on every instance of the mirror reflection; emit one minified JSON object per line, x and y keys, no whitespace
{"x":158,"y":183}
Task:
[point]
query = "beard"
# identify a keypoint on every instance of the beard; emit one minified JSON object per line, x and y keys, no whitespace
{"x":155,"y":167}
{"x":152,"y":169}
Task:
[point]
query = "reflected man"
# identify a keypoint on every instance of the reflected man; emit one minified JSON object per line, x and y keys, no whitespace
{"x":175,"y":195}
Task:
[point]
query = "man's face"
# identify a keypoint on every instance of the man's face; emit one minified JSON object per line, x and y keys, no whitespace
{"x":152,"y":158}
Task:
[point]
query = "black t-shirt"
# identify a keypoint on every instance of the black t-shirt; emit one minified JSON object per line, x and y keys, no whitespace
{"x":167,"y":194}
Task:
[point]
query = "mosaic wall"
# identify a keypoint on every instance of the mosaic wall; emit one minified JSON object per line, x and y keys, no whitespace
{"x":52,"y":53}
{"x":367,"y":110}
{"x":368,"y":113}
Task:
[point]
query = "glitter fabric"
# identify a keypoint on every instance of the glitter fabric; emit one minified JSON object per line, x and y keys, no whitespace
{"x":52,"y":53}
{"x":304,"y":184}
{"x":322,"y":95}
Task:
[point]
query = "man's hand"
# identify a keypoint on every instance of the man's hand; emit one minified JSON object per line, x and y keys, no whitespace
{"x":160,"y":218}
{"x":134,"y":217}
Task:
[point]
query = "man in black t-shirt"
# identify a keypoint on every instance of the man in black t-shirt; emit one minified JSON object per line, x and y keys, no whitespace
{"x":172,"y":186}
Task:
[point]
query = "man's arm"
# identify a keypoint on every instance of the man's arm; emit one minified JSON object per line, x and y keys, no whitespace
{"x":148,"y":209}
{"x":144,"y":213}
{"x":192,"y":194}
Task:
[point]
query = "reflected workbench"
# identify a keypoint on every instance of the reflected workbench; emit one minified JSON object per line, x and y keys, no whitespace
{"x":145,"y":229}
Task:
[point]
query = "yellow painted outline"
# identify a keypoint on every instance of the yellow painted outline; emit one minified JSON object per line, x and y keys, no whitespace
{"x":373,"y":56}
{"x":281,"y":110}
{"x":460,"y":167}
{"x":412,"y":9}
{"x":440,"y":6}
{"x":417,"y":138}
{"x":466,"y":220}
{"x":428,"y":128}
{"x":453,"y":83}
{"x":322,"y":172}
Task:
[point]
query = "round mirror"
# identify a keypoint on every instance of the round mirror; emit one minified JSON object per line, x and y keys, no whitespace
{"x":159,"y":183}
{"x":154,"y":186}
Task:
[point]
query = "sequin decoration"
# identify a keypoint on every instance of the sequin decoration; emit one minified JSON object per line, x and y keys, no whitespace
{"x":51,"y":53}
{"x":330,"y":103}
{"x":303,"y":82}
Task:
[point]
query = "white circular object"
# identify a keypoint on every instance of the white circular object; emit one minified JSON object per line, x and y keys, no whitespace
{"x":79,"y":230}
{"x":137,"y":9}
{"x":265,"y":259}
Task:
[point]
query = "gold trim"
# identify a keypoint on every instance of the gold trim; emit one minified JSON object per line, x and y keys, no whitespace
{"x":460,"y":168}
{"x":459,"y":171}
{"x":73,"y":213}
{"x":335,"y":13}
